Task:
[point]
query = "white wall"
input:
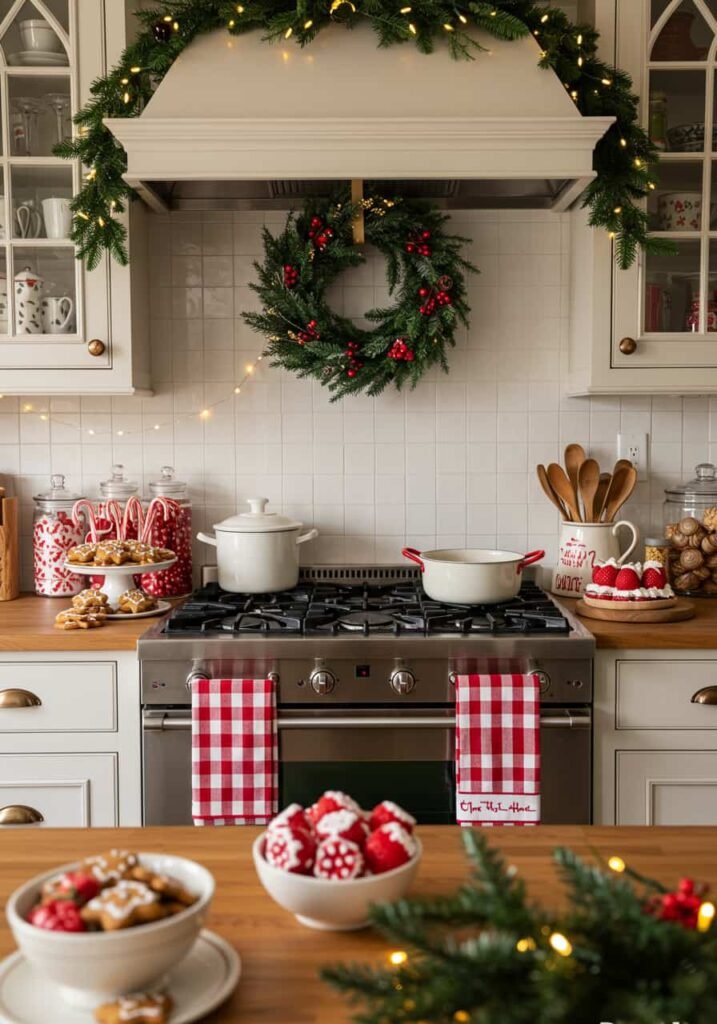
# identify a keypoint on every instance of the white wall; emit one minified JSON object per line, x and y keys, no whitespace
{"x":452,"y":463}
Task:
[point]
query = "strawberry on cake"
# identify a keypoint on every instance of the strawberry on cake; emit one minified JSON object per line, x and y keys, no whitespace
{"x":631,"y":582}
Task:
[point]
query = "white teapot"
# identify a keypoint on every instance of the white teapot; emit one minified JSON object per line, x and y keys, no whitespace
{"x":29,"y":290}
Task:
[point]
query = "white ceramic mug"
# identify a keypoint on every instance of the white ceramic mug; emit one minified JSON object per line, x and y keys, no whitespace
{"x":57,"y":313}
{"x":58,"y":217}
{"x":28,"y":221}
{"x":680,"y":211}
{"x":581,"y":546}
{"x":38,"y":34}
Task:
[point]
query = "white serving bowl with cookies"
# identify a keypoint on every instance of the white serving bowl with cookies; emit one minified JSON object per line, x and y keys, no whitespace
{"x":93,"y":967}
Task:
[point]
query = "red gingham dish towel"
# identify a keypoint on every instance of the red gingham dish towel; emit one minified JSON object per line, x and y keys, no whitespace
{"x":497,"y":750}
{"x":235,"y":760}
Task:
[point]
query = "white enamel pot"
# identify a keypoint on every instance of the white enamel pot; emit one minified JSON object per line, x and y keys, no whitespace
{"x":257,"y":551}
{"x":471,"y":575}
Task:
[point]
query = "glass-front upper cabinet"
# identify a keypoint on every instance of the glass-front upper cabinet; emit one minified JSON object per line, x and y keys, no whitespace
{"x":60,"y":329}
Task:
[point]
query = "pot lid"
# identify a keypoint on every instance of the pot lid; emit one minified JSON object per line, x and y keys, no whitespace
{"x":57,"y":491}
{"x":704,"y":484}
{"x":258,"y":520}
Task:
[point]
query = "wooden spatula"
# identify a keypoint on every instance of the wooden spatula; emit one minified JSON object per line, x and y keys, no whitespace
{"x":574,"y":458}
{"x":621,"y":487}
{"x":564,"y":490}
{"x":588,"y":482}
{"x":549,"y":492}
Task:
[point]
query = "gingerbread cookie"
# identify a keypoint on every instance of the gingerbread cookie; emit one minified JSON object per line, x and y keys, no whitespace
{"x":90,"y":600}
{"x":139,"y":1008}
{"x":73,"y":619}
{"x":123,"y":905}
{"x":177,"y":897}
{"x":111,"y":552}
{"x":110,"y":867}
{"x":83,"y":553}
{"x":134,"y":601}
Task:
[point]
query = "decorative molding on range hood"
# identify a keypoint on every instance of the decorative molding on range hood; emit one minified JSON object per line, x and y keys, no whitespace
{"x":235,"y":108}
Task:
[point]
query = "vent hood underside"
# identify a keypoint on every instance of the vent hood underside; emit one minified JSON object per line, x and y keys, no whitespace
{"x":241,"y":123}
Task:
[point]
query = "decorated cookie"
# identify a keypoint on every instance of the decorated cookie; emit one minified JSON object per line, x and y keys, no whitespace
{"x":292,"y":816}
{"x":139,"y":1008}
{"x":123,"y":905}
{"x":331,"y":800}
{"x":78,"y":886}
{"x":172,"y":891}
{"x":388,"y":847}
{"x":387,"y":811}
{"x":58,"y":916}
{"x":291,"y":850}
{"x":91,"y":601}
{"x":109,"y":868}
{"x":338,"y":859}
{"x":111,"y":552}
{"x":73,"y":619}
{"x":134,"y":601}
{"x":342,"y":824}
{"x":83,"y":553}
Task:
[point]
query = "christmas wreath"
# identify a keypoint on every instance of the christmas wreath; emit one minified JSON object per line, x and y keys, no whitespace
{"x":624,"y":949}
{"x":425,"y":271}
{"x":623,"y":157}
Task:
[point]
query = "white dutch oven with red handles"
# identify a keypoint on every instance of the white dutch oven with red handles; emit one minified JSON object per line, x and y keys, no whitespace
{"x":471,"y":575}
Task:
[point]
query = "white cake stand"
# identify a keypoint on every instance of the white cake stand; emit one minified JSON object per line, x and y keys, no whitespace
{"x":119,"y":578}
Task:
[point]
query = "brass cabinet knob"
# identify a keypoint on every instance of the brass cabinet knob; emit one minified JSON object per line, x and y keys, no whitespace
{"x":628,"y":346}
{"x":96,"y":347}
{"x":19,"y":814}
{"x":18,"y":699}
{"x":707,"y":695}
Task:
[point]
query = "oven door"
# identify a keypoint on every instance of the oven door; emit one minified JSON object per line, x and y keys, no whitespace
{"x":374,"y":755}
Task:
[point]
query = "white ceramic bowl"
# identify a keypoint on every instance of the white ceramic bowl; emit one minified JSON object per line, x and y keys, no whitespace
{"x":38,"y":34}
{"x":332,"y":906}
{"x":92,"y":967}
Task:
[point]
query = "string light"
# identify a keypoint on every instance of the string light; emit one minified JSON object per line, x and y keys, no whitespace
{"x":240,"y":9}
{"x":574,"y":94}
{"x":461,"y":1017}
{"x":308,"y":24}
{"x":448,"y":27}
{"x":27,"y":408}
{"x":606,"y":81}
{"x":126,"y":97}
{"x":135,"y":70}
{"x":83,"y":215}
{"x":205,"y":414}
{"x":232,"y":23}
{"x":623,"y":143}
{"x":705,"y":917}
{"x":543,"y":19}
{"x":616,"y":864}
{"x":580,"y":62}
{"x":406,"y":10}
{"x":43,"y":416}
{"x":237,"y":390}
{"x":560,"y":944}
{"x":398,"y":957}
{"x":101,"y":222}
{"x":525,"y":945}
{"x":125,"y":81}
{"x":617,"y":210}
{"x":156,"y":426}
{"x":120,"y":433}
{"x":412,"y":28}
{"x":463,"y":20}
{"x":580,"y":40}
{"x":638,"y":162}
{"x":92,"y":174}
{"x":289,"y":32}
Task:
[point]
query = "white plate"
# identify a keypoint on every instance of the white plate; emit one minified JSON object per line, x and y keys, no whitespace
{"x":162,"y":607}
{"x":38,"y":59}
{"x":204,"y":979}
{"x":126,"y":569}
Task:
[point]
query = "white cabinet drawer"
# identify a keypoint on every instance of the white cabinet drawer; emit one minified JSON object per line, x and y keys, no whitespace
{"x":655,"y":694}
{"x":75,"y":696}
{"x":666,"y":787}
{"x":68,"y":790}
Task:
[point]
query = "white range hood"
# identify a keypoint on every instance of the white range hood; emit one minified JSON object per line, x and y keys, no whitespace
{"x":238,"y":120}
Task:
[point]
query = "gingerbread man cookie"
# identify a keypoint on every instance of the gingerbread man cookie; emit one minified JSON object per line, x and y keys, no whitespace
{"x":123,"y":905}
{"x":109,"y":868}
{"x":139,"y":1008}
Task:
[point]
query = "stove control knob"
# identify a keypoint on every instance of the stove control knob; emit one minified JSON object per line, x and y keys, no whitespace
{"x":195,"y":676}
{"x":543,"y":681}
{"x":402,"y":681}
{"x":322,"y":680}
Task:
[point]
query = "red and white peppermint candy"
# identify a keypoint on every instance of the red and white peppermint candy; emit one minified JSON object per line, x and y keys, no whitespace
{"x":389,"y":847}
{"x":332,"y":800}
{"x":291,"y":850}
{"x":387,"y":811}
{"x":338,"y":859}
{"x":342,"y":824}
{"x":292,"y":817}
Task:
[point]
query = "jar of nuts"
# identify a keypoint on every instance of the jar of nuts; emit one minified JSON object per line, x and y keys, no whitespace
{"x":691,"y":528}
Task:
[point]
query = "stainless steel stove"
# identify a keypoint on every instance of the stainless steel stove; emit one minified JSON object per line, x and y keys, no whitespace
{"x":365,"y":667}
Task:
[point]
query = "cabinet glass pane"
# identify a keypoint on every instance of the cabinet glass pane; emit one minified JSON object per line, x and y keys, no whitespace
{"x":676,"y":203}
{"x":685,"y":35}
{"x":44,"y":290}
{"x":3,"y":295}
{"x":39,"y":113}
{"x":33,"y":40}
{"x":677,"y":110}
{"x":672,"y":286}
{"x":40,"y":202}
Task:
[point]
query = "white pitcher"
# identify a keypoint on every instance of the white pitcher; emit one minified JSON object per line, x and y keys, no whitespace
{"x":581,"y":546}
{"x":29,"y":290}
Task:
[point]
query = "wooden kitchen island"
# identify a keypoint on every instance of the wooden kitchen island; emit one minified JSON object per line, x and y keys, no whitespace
{"x":280,"y":958}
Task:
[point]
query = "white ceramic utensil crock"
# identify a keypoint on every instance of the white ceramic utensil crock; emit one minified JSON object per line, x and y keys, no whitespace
{"x":258,"y":551}
{"x":583,"y":544}
{"x":471,"y":575}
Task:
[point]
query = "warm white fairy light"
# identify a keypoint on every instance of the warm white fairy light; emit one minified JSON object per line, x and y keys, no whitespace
{"x":448,"y":27}
{"x":398,"y":957}
{"x":616,"y":864}
{"x":412,"y":28}
{"x":308,"y":24}
{"x":27,"y":407}
{"x":561,"y":945}
{"x":705,"y":917}
{"x":156,"y":426}
{"x":525,"y":945}
{"x":120,"y":433}
{"x":463,"y":20}
{"x":91,"y":432}
{"x":205,"y":414}
{"x":289,"y":32}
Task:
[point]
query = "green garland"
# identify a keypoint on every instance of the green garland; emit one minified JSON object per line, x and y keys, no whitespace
{"x":624,"y":950}
{"x":622,"y":158}
{"x":424,"y":269}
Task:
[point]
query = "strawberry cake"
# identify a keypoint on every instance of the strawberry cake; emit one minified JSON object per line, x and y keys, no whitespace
{"x":632,"y":581}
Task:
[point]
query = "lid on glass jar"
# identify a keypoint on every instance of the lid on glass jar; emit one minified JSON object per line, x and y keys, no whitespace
{"x":118,"y":485}
{"x":704,"y":484}
{"x":57,"y":493}
{"x":167,"y":486}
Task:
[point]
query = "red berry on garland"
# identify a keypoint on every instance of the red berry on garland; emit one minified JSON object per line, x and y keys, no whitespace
{"x":424,"y":250}
{"x":162,"y":31}
{"x":409,"y":356}
{"x":316,"y":222}
{"x":423,"y":293}
{"x":425,"y":235}
{"x":329,"y":233}
{"x":321,"y":240}
{"x":350,"y":373}
{"x":410,"y":247}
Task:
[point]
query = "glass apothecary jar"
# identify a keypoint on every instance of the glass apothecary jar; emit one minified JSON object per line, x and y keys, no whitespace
{"x":116,"y":489}
{"x":690,"y":513}
{"x":175,"y":533}
{"x":53,"y":534}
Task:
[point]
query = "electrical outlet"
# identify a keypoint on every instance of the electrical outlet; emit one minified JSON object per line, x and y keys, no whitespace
{"x":634,"y":448}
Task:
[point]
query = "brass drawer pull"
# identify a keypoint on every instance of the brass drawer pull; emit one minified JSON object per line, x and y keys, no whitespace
{"x":18,"y":699}
{"x":19,"y":814}
{"x":707,"y":695}
{"x":628,"y":346}
{"x":96,"y":347}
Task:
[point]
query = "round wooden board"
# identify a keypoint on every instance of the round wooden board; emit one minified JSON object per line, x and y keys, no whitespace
{"x":608,"y":606}
{"x":678,"y":613}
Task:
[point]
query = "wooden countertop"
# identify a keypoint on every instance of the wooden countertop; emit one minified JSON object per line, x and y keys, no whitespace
{"x":27,"y":624}
{"x":280,"y":958}
{"x":698,"y":634}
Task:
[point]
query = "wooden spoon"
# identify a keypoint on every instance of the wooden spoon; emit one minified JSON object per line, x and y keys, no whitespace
{"x":600,"y":495}
{"x":549,"y":492}
{"x":621,"y":487}
{"x":574,"y":458}
{"x":564,"y":490}
{"x":588,"y":482}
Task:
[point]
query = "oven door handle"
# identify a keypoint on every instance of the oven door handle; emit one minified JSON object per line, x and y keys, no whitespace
{"x":160,"y":721}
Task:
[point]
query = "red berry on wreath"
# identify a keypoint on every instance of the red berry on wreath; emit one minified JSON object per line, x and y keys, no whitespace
{"x":342,"y":824}
{"x":409,"y":356}
{"x":425,"y":235}
{"x":389,"y":847}
{"x":290,"y":849}
{"x":338,"y":859}
{"x":350,"y":373}
{"x":423,"y":293}
{"x":316,"y":222}
{"x":410,"y":247}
